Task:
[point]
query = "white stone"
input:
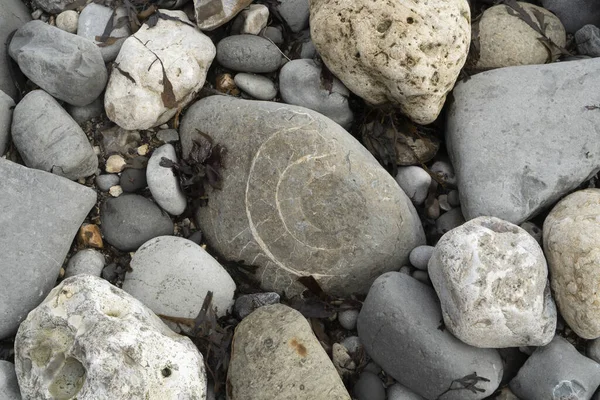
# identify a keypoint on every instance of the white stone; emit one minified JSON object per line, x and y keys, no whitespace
{"x":408,"y":53}
{"x":255,"y":17}
{"x":143,"y":149}
{"x":115,"y":191}
{"x":415,"y":182}
{"x":90,"y":340}
{"x":86,"y":261}
{"x":211,"y":14}
{"x":67,"y":21}
{"x":133,"y":95}
{"x":492,"y":281}
{"x":506,"y":40}
{"x":163,"y":183}
{"x":571,"y":234}
{"x":172,"y":275}
{"x":115,"y":164}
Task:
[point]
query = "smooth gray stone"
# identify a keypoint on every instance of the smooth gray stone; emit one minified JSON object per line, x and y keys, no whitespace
{"x":93,"y":21}
{"x":130,"y":220}
{"x":106,"y":181}
{"x":347,"y":319}
{"x":300,"y":84}
{"x":588,"y":40}
{"x":399,"y":325}
{"x":86,"y":261}
{"x":163,"y":183}
{"x":521,"y":137}
{"x":574,"y":14}
{"x":133,"y":179}
{"x":274,"y":34}
{"x":247,"y":303}
{"x":419,"y":256}
{"x":6,"y":111}
{"x":369,"y":387}
{"x":248,"y":53}
{"x":295,"y":12}
{"x":83,"y":114}
{"x":9,"y":387}
{"x":40,"y":216}
{"x":258,"y":86}
{"x":13,"y":14}
{"x":399,"y":392}
{"x":557,"y":371}
{"x":67,"y":66}
{"x":449,"y":220}
{"x":49,"y":139}
{"x":168,"y":135}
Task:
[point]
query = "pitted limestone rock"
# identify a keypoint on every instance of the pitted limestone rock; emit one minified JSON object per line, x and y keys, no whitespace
{"x":492,"y":281}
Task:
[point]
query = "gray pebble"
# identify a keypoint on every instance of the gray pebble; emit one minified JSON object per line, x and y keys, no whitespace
{"x":454,"y":198}
{"x":415,"y":182}
{"x":92,"y":22}
{"x":308,"y":50}
{"x":37,"y":14}
{"x":129,"y":221}
{"x":399,"y":392}
{"x":133,"y":179}
{"x":163,"y":183}
{"x":405,"y":270}
{"x":557,"y":371}
{"x":347,"y":319}
{"x":419,"y":256}
{"x":49,"y":139}
{"x":369,"y":387}
{"x":168,"y":135}
{"x":274,"y":34}
{"x":110,"y":272}
{"x":533,"y":230}
{"x":300,"y":84}
{"x":295,"y":13}
{"x":48,"y":56}
{"x":422,"y":276}
{"x":445,"y":171}
{"x":593,"y":350}
{"x":352,"y":344}
{"x":373,"y":368}
{"x":9,"y":386}
{"x":588,"y":40}
{"x":6,"y":112}
{"x":257,"y":86}
{"x":82,"y":114}
{"x":444,"y":204}
{"x":247,"y":303}
{"x":106,"y":181}
{"x":450,"y":220}
{"x":248,"y":53}
{"x":86,"y":261}
{"x":196,"y":237}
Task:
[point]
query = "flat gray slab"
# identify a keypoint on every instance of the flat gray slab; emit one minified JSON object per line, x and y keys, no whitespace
{"x":521,"y":137}
{"x":40,"y":214}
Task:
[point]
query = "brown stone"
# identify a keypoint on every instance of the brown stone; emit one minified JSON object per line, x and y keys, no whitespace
{"x":89,"y":236}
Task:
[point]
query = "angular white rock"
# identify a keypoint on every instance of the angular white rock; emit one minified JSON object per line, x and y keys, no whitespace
{"x":90,"y":340}
{"x":571,"y":235}
{"x":172,"y":275}
{"x":255,"y":19}
{"x":163,"y":183}
{"x":211,"y":14}
{"x":492,"y":281}
{"x":408,"y":53}
{"x":135,"y":91}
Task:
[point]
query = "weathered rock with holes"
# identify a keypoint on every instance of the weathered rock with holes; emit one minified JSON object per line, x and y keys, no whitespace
{"x":571,"y":234}
{"x":67,"y":66}
{"x":210,"y":14}
{"x":492,"y":281}
{"x":90,"y":340}
{"x":517,"y":148}
{"x":276,"y":356}
{"x":300,"y":197}
{"x":138,"y":96}
{"x":406,"y":53}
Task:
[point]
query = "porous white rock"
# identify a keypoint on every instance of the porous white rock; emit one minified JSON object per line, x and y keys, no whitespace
{"x":90,"y":340}
{"x":137,"y":96}
{"x":171,"y":275}
{"x":571,"y":233}
{"x":408,"y":53}
{"x":492,"y":281}
{"x":163,"y":183}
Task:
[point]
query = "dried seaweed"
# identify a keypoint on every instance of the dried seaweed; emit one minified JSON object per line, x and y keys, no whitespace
{"x":468,"y":382}
{"x":153,"y":19}
{"x":167,"y":95}
{"x":124,"y":73}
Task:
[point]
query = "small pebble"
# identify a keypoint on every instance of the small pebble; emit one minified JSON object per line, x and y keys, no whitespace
{"x":87,"y":261}
{"x":419,"y":256}
{"x":342,"y":360}
{"x":273,"y":34}
{"x":226,"y":84}
{"x":115,"y":191}
{"x":449,"y":221}
{"x":247,"y":303}
{"x":143,"y":150}
{"x":258,"y":86}
{"x":454,"y":198}
{"x":308,"y":50}
{"x":37,"y":14}
{"x":369,"y":387}
{"x":248,"y":53}
{"x":433,"y":210}
{"x":163,"y":183}
{"x":421,"y":276}
{"x":196,"y":237}
{"x":168,"y":135}
{"x":444,"y":204}
{"x":115,"y":164}
{"x":415,"y":182}
{"x":110,"y":272}
{"x":89,"y":236}
{"x":352,"y":344}
{"x":105,"y":182}
{"x":67,"y":21}
{"x":348,"y":319}
{"x":444,"y":170}
{"x":255,"y":19}
{"x":133,"y":179}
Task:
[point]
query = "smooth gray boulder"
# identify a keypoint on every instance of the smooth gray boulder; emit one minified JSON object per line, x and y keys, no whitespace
{"x":67,"y":66}
{"x":49,"y":139}
{"x":574,"y":14}
{"x":399,"y":325}
{"x":248,"y":53}
{"x":129,"y":221}
{"x":6,"y":111}
{"x":9,"y":387}
{"x":555,"y":372}
{"x":300,"y":197}
{"x":521,"y":137}
{"x":13,"y":15}
{"x":300,"y":84}
{"x":40,"y":216}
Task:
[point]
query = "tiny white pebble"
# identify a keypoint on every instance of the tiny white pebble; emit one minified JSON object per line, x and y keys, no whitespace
{"x":67,"y":21}
{"x":115,"y":164}
{"x":115,"y":191}
{"x":143,"y":150}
